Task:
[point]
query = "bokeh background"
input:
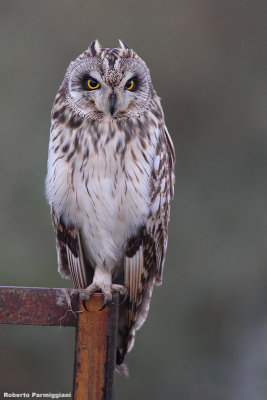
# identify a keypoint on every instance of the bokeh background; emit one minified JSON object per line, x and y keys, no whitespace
{"x":206,"y":334}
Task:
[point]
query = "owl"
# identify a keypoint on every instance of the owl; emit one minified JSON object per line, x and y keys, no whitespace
{"x":110,"y":181}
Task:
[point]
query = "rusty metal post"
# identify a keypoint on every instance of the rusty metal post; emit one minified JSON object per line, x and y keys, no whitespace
{"x":95,"y":331}
{"x":95,"y":350}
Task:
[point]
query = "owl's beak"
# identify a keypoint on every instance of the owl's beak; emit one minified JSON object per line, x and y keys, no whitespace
{"x":112,"y":102}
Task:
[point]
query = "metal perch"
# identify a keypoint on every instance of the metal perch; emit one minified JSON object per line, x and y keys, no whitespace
{"x":96,"y":331}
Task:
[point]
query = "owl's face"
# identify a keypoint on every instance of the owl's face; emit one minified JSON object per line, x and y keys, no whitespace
{"x":108,"y":83}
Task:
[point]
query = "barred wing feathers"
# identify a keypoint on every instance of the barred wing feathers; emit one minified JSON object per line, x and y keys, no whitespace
{"x":69,"y":252}
{"x":145,"y":256}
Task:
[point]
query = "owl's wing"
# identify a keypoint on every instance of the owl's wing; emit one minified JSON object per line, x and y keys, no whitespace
{"x":69,"y":252}
{"x":162,"y":193}
{"x":146,"y":251}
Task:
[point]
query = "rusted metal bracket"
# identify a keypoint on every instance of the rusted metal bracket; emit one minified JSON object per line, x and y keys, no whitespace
{"x":96,"y":331}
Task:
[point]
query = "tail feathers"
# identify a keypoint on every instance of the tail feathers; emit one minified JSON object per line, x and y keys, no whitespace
{"x":122,"y":369}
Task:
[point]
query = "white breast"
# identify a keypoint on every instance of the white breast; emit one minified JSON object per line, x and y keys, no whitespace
{"x":106,"y":197}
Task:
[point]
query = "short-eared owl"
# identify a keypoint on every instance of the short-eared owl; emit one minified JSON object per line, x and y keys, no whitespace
{"x":110,"y":181}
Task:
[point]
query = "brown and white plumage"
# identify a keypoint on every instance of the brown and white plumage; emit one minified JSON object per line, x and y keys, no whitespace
{"x":110,"y":181}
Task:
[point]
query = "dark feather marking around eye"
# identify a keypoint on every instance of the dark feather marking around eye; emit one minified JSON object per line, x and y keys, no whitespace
{"x":137,"y":82}
{"x":83,"y":80}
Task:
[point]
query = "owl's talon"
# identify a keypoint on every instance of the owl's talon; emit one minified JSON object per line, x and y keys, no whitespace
{"x":84,"y":302}
{"x":104,"y":305}
{"x":84,"y":297}
{"x":107,"y":299}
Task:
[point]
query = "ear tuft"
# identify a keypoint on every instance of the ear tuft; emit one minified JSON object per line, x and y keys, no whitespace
{"x":123,"y":45}
{"x":94,"y":47}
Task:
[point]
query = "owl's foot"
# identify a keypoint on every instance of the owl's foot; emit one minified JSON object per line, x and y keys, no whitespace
{"x":122,"y":290}
{"x":97,"y":287}
{"x":107,"y":290}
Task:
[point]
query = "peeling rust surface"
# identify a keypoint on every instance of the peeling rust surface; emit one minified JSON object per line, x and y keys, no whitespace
{"x":38,"y":306}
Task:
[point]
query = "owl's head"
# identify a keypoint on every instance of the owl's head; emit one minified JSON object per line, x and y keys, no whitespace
{"x":108,"y":83}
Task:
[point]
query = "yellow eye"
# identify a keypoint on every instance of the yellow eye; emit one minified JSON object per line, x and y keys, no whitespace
{"x":129,"y":85}
{"x":92,"y":84}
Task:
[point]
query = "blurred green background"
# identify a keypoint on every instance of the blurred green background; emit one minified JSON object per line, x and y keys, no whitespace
{"x":206,"y":334}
